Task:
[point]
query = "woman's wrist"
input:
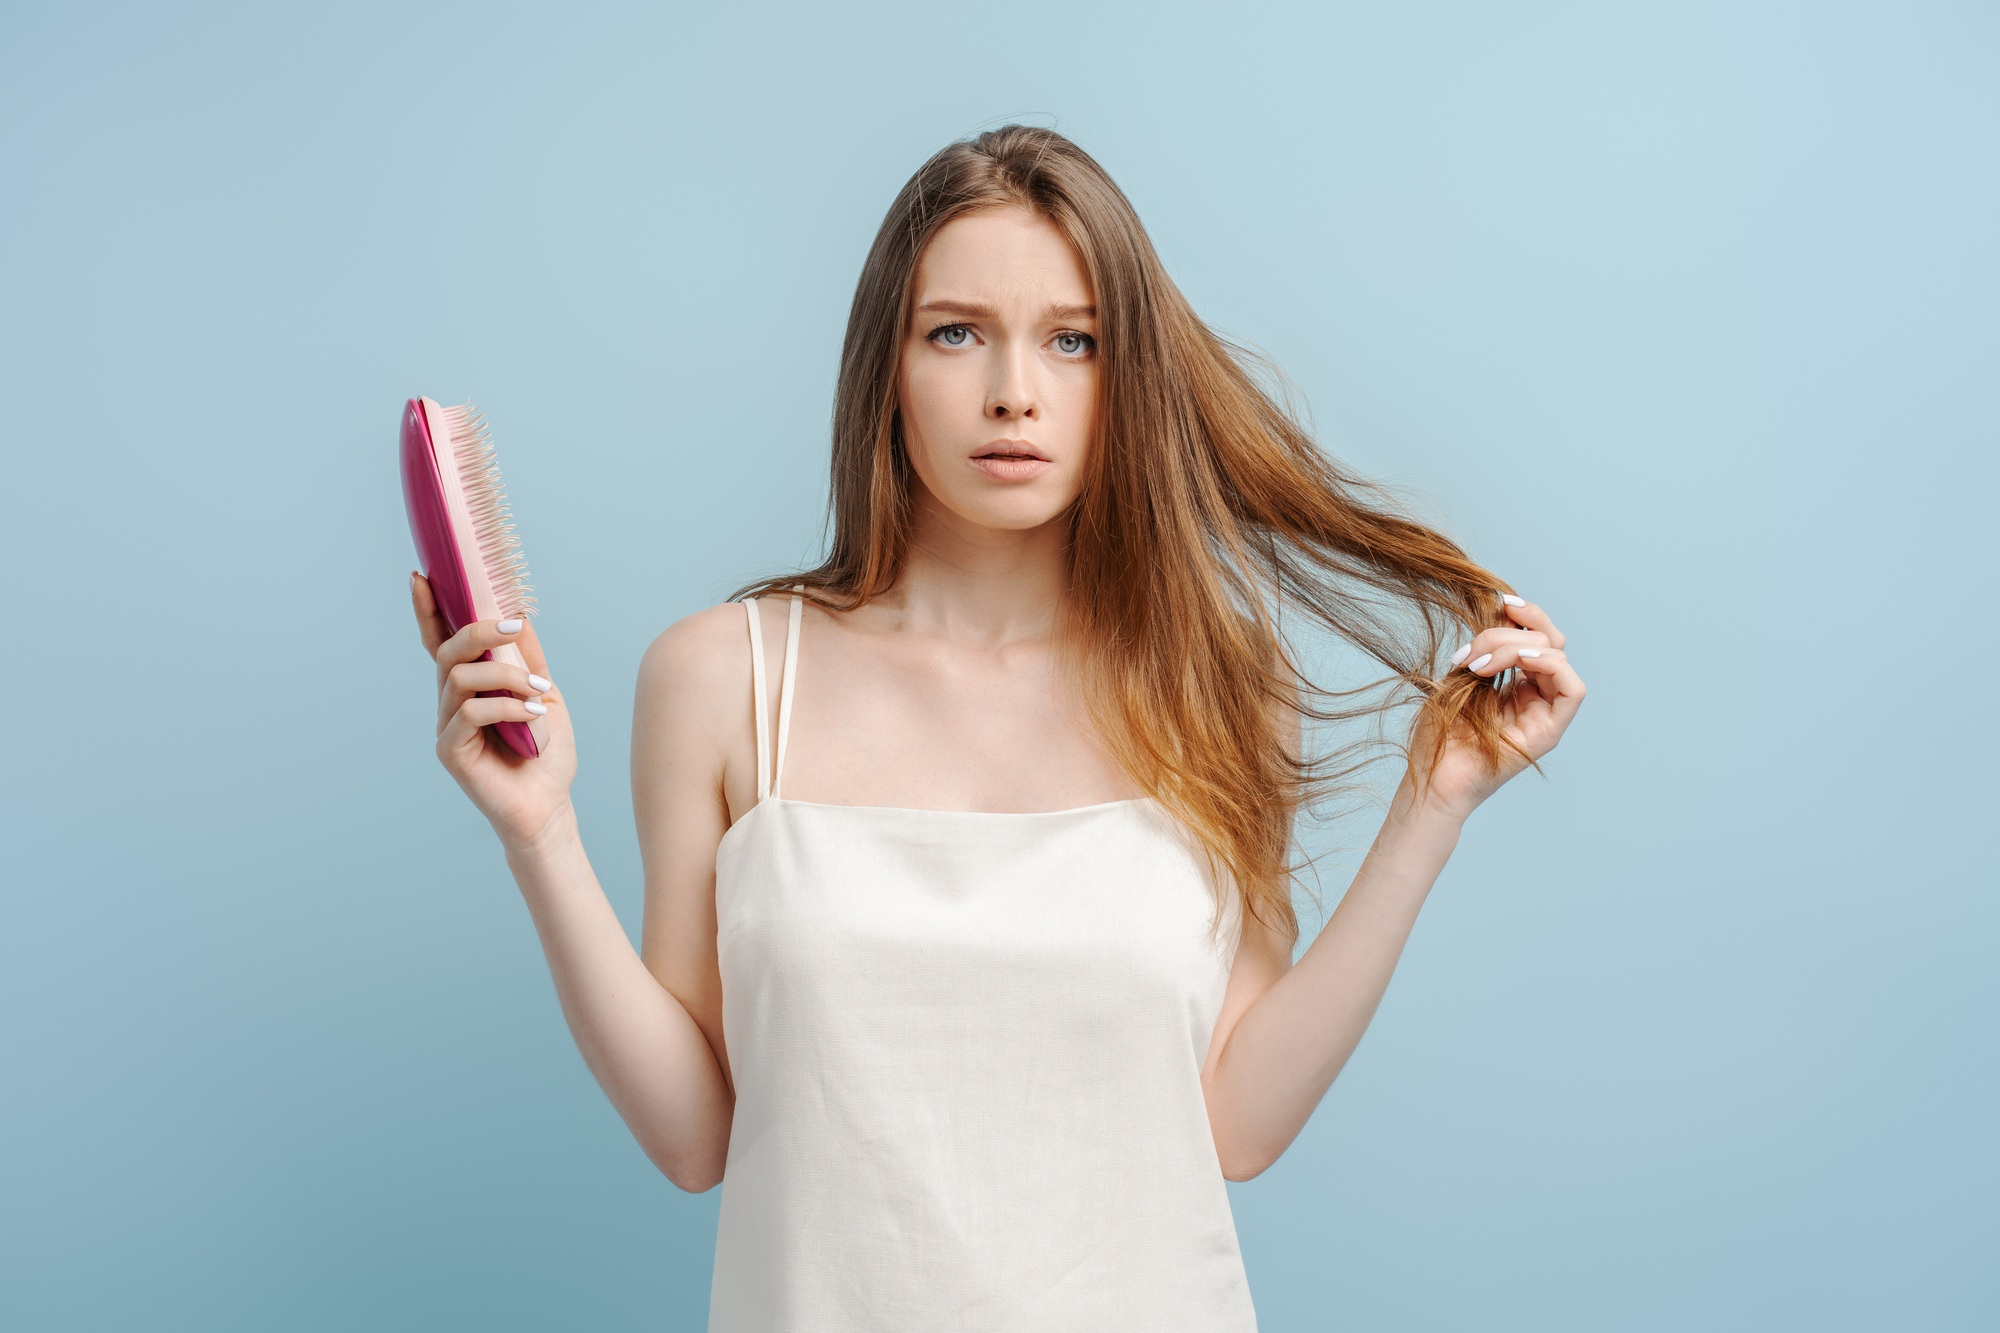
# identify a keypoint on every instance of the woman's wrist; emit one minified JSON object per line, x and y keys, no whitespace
{"x":1428,"y":808}
{"x":557,"y":833}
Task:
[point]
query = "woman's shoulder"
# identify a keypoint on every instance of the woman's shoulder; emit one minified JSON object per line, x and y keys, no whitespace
{"x":691,"y":678}
{"x":698,"y":652}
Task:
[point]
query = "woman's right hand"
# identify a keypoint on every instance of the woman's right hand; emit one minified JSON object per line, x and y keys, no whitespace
{"x":524,"y":799}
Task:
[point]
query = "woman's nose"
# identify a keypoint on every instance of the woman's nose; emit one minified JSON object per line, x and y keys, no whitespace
{"x":1011,"y":394}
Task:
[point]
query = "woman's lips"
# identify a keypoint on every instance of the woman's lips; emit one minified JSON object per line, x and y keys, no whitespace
{"x":1012,"y":469}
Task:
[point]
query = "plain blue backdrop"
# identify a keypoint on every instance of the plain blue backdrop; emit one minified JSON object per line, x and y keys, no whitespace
{"x":1682,"y":317}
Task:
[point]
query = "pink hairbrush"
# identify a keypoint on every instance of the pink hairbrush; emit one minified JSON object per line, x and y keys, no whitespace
{"x":465,"y":540}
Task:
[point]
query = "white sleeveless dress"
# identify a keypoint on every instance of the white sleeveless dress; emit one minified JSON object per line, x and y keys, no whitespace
{"x":967,"y":1050}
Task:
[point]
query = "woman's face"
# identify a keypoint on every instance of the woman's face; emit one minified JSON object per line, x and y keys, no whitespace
{"x":1000,"y":360}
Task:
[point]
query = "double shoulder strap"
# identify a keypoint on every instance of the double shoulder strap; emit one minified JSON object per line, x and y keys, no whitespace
{"x":767,"y":777}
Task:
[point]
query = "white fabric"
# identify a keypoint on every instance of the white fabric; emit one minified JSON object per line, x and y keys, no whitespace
{"x":967,"y":1050}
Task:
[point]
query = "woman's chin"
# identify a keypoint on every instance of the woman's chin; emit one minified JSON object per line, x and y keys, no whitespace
{"x":1011,"y":513}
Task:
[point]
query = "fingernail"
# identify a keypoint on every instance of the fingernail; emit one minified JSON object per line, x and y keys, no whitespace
{"x":537,"y":684}
{"x":1531,"y":652}
{"x":537,"y":709}
{"x":1479,"y":661}
{"x":509,"y":627}
{"x":1511,"y":600}
{"x":1459,"y":656}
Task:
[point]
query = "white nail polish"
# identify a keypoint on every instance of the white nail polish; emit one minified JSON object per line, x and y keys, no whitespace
{"x":509,"y":627}
{"x":1511,"y":600}
{"x":537,"y":684}
{"x":535,"y":708}
{"x":1531,"y":652}
{"x":1459,"y":656}
{"x":1479,"y":661}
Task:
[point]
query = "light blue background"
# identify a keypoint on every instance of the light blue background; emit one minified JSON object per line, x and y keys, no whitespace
{"x":1681,"y":316}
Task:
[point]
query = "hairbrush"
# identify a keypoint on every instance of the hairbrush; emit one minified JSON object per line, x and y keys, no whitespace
{"x":465,"y":536}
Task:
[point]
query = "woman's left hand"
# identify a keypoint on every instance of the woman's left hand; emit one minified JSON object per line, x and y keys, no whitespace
{"x":1535,"y":707}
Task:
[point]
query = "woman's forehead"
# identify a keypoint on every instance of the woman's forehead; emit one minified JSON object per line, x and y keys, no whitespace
{"x":1002,"y":257}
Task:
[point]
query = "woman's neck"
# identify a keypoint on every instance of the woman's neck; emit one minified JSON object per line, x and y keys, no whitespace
{"x":979,"y":586}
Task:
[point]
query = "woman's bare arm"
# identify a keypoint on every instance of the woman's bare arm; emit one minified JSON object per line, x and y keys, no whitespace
{"x":1293,"y":1026}
{"x":1293,"y":1035}
{"x":647,"y":1049}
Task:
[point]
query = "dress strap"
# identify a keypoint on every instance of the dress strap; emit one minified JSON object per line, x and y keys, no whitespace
{"x":768,"y":775}
{"x":785,"y":689}
{"x":757,"y":694}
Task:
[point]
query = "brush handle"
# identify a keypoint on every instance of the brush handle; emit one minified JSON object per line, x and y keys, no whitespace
{"x":525,"y":738}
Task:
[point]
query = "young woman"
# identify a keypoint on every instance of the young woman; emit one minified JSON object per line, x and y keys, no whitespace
{"x":974,"y":1020}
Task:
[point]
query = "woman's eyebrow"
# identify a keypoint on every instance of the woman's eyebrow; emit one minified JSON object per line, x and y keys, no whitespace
{"x":966,"y":308}
{"x":971,"y":310}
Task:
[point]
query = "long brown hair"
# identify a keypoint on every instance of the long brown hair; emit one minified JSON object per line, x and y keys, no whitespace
{"x":1204,"y":496}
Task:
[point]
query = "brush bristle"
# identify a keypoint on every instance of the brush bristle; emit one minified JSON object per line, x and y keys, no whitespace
{"x":492,"y":520}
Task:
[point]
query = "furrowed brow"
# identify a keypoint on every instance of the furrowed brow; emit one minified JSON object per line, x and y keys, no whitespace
{"x":971,"y":310}
{"x":966,"y":308}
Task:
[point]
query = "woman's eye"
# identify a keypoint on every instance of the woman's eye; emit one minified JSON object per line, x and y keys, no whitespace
{"x":952,"y":335}
{"x":1073,"y":344}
